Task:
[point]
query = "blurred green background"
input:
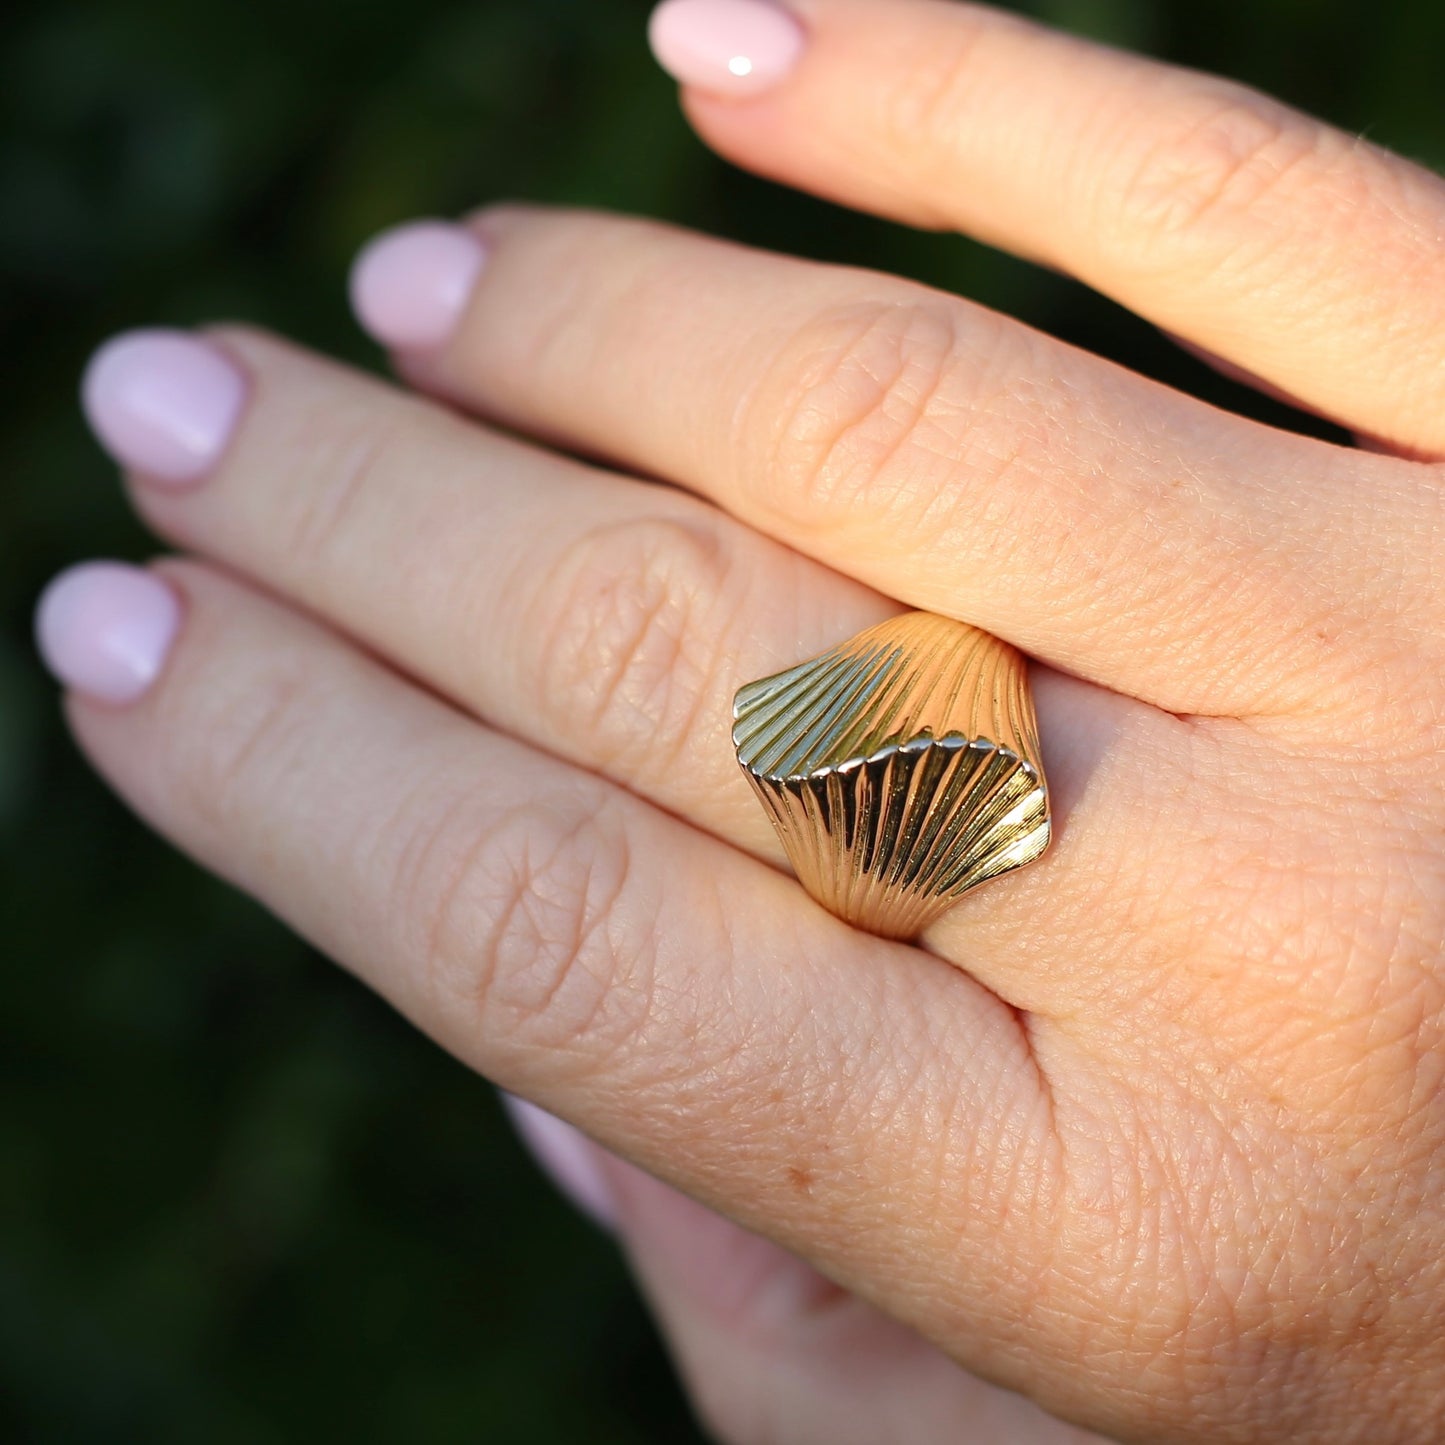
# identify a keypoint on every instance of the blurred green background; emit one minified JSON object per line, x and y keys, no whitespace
{"x":239,"y":1201}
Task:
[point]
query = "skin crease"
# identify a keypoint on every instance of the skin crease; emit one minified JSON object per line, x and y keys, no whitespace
{"x":1150,"y":1133}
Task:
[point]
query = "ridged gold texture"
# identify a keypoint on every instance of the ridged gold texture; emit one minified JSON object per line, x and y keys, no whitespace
{"x":900,"y":768}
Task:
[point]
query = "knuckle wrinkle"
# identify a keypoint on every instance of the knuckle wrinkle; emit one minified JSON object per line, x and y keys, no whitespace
{"x":853,"y":389}
{"x":1209,"y":172}
{"x":517,"y":917}
{"x":629,"y":633}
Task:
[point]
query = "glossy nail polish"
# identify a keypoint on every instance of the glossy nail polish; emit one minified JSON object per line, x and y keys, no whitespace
{"x":105,"y":629}
{"x":163,"y":403}
{"x":728,"y":47}
{"x":410,"y":286}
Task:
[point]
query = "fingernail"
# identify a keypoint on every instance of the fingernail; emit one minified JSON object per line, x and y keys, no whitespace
{"x":410,"y":285}
{"x":729,"y":47}
{"x":104,"y":629}
{"x":163,"y":402}
{"x":566,"y":1157}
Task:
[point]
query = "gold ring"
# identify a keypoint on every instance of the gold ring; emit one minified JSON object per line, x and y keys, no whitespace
{"x":900,"y":768}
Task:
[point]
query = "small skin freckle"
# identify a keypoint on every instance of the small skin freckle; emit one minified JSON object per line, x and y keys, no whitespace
{"x":800,"y":1179}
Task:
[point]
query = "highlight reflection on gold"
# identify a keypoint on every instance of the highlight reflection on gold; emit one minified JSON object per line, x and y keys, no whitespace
{"x":900,"y":768}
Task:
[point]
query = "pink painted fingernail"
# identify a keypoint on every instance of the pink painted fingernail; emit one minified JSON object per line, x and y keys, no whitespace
{"x":729,"y":47}
{"x":163,"y":403}
{"x":410,"y":285}
{"x":566,"y":1157}
{"x":104,"y":629}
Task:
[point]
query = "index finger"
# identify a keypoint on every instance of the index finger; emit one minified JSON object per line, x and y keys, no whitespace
{"x":1292,"y":249}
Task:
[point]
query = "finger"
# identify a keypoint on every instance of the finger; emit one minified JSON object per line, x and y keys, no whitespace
{"x":773,"y":1350}
{"x":1306,"y":255}
{"x":671,"y":996}
{"x":607,"y":620}
{"x":769,"y":1348}
{"x":945,"y":455}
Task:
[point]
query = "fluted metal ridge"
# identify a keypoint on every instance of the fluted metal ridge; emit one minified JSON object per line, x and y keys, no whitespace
{"x":900,"y":768}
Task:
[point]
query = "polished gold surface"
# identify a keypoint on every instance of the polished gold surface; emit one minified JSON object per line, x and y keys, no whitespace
{"x":900,"y":768}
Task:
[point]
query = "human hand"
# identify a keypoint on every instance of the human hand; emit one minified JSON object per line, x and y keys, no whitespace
{"x":1162,"y":1150}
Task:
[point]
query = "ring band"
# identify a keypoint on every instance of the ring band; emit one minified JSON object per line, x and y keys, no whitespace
{"x":900,"y":769}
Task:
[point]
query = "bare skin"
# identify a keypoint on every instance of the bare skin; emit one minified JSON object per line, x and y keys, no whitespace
{"x":1151,"y":1135}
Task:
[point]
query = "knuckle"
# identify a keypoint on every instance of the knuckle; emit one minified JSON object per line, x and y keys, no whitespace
{"x":347,"y":455}
{"x":518,"y":921}
{"x":938,"y":91}
{"x":630,"y":623}
{"x":846,"y":394}
{"x":230,"y":759}
{"x":1207,"y":171}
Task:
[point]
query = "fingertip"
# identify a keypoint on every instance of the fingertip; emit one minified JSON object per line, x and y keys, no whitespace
{"x":410,"y":286}
{"x":105,"y":629}
{"x":567,"y":1157}
{"x":735,"y":48}
{"x":163,"y":402}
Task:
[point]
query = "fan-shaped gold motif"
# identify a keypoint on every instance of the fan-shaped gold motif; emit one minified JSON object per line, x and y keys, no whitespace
{"x":900,"y":768}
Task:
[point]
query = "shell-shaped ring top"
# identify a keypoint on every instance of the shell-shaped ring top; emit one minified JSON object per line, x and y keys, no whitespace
{"x":900,"y":768}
